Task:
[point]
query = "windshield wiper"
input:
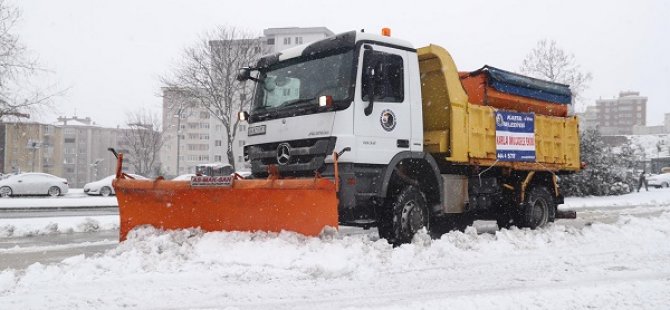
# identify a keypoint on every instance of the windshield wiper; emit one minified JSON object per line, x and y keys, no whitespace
{"x":295,"y":102}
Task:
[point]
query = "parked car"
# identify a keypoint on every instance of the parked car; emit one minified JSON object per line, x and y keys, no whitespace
{"x":33,"y":184}
{"x":104,"y":187}
{"x":659,"y":180}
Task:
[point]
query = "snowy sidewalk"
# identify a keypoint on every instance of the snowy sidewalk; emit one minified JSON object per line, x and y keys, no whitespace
{"x":75,"y":198}
{"x":653,"y":198}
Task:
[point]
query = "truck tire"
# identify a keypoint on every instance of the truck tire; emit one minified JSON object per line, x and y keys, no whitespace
{"x":504,"y":219}
{"x":538,"y":208}
{"x":410,"y":214}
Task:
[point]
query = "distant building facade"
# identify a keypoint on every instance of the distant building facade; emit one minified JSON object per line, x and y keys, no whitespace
{"x":620,"y":115}
{"x":72,"y":148}
{"x":30,"y":146}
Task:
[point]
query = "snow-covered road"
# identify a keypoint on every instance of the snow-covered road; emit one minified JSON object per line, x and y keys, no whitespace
{"x":617,"y":256}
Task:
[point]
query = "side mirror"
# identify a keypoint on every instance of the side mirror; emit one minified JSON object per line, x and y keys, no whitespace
{"x":243,"y":116}
{"x":244,"y":74}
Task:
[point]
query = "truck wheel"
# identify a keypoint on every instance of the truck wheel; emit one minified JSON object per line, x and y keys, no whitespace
{"x":504,"y":219}
{"x":537,"y":209}
{"x":410,"y":214}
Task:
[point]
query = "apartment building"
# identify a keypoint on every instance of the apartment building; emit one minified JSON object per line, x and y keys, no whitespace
{"x":618,"y":116}
{"x":72,"y":148}
{"x":85,"y":154}
{"x":31,"y":147}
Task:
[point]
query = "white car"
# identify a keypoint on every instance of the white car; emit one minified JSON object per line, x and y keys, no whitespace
{"x":33,"y":184}
{"x":104,"y":187}
{"x":659,"y":180}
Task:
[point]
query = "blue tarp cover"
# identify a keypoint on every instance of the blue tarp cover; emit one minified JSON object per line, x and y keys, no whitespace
{"x":520,"y":85}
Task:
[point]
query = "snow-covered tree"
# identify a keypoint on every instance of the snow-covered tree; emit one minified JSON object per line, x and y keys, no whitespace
{"x":606,"y":172}
{"x":547,"y":61}
{"x":208,"y":72}
{"x":18,"y":94}
{"x":143,"y":140}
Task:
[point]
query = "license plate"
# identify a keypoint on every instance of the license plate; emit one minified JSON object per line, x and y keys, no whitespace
{"x":204,"y":180}
{"x":256,"y":130}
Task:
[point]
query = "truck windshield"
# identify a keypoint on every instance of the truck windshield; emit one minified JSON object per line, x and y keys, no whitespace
{"x":298,"y":83}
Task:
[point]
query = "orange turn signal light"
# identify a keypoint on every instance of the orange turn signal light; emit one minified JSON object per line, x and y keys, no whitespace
{"x":386,"y":32}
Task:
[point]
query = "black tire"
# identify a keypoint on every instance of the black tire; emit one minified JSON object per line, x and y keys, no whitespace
{"x":54,"y":191}
{"x":105,"y":191}
{"x":5,"y":191}
{"x":538,"y":209}
{"x":505,"y":219}
{"x":665,"y":185}
{"x":410,"y":214}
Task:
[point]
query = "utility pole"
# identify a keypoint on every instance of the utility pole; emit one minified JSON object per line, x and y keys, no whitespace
{"x":179,"y":115}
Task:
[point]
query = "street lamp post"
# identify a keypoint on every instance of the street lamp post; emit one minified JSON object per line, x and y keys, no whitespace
{"x":180,"y":111}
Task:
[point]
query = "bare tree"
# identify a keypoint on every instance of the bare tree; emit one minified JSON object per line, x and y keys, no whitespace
{"x":143,"y":139}
{"x":208,"y":72}
{"x":18,"y":96}
{"x":549,"y":62}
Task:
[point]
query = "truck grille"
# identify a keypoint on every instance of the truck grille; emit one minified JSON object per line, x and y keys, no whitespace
{"x":304,"y":156}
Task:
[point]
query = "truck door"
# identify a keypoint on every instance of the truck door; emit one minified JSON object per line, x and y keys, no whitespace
{"x":382,"y":128}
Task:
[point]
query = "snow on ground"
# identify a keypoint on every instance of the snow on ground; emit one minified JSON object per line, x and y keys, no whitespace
{"x":651,"y":198}
{"x":50,"y":225}
{"x":621,"y":265}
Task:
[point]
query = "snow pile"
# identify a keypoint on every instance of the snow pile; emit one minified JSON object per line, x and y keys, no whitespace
{"x":48,"y":225}
{"x":620,"y":265}
{"x":652,"y":198}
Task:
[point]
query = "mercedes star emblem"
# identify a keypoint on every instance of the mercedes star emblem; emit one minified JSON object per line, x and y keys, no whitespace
{"x":283,"y":154}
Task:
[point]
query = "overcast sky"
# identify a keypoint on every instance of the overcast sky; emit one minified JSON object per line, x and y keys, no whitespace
{"x":109,"y":54}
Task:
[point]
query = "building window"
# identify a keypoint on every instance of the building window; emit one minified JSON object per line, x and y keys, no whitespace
{"x":242,"y":128}
{"x":298,"y":40}
{"x":287,"y":41}
{"x":217,"y":142}
{"x":198,"y":147}
{"x":217,"y":157}
{"x":257,"y":49}
{"x":218,"y":127}
{"x":69,"y":140}
{"x":271,"y":41}
{"x":204,"y":115}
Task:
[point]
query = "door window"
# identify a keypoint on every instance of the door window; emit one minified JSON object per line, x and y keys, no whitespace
{"x":383,"y":72}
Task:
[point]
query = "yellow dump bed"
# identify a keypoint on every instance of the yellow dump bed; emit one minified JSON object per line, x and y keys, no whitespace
{"x":465,"y":133}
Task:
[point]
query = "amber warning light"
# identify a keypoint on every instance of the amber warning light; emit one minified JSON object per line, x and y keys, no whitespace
{"x":386,"y":32}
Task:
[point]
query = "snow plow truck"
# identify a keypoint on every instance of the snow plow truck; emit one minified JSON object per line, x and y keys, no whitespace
{"x":365,"y":130}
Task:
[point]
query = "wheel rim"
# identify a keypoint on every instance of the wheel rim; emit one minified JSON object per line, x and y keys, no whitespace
{"x":105,"y":191}
{"x":54,"y":191}
{"x":538,"y":212}
{"x":5,"y":192}
{"x":413,"y":217}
